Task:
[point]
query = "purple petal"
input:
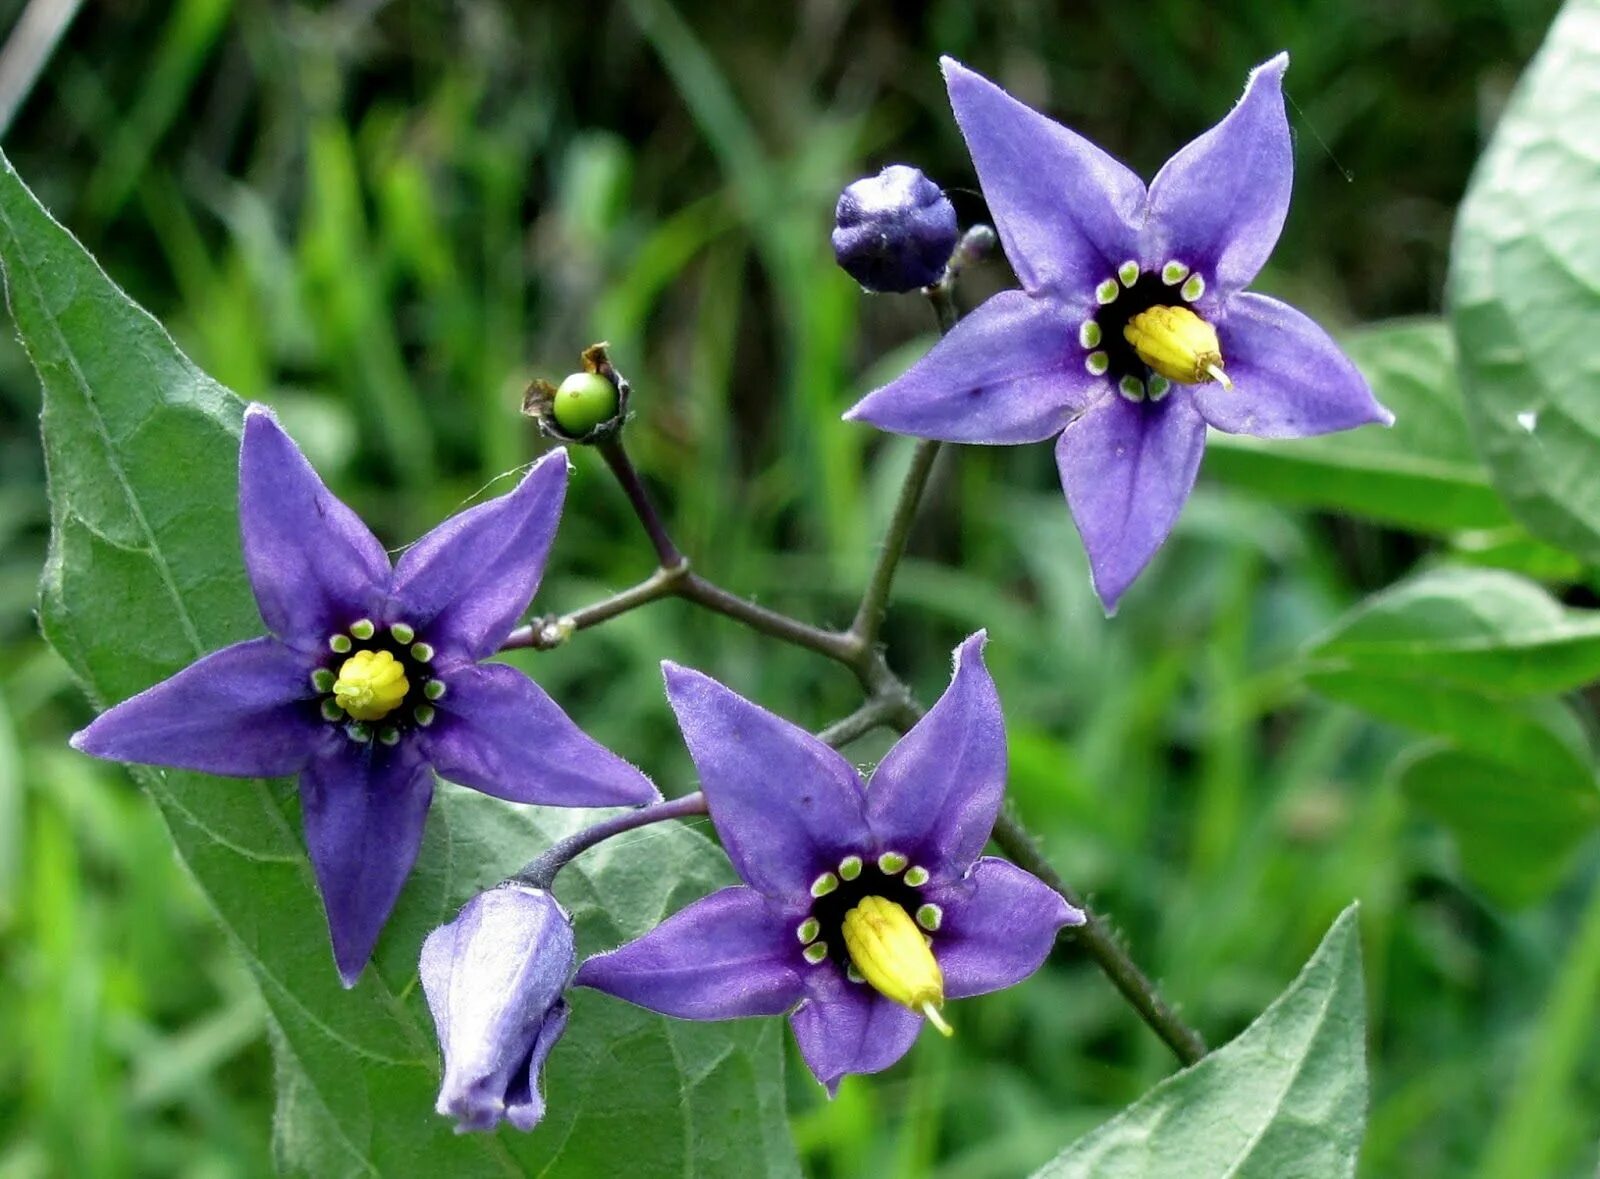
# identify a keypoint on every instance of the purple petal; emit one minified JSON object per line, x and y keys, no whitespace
{"x":847,"y":1027}
{"x":1127,"y":468}
{"x":464,"y":585}
{"x":1219,"y":204}
{"x":314,"y":566}
{"x":1067,"y":213}
{"x":1012,"y":371}
{"x":525,"y":1099}
{"x":498,"y":732}
{"x":729,"y":955}
{"x":364,"y":808}
{"x":935,"y":796}
{"x":435,"y":967}
{"x":999,"y":926}
{"x":493,"y":979}
{"x":1289,"y":378}
{"x":787,"y":807}
{"x":243,"y":711}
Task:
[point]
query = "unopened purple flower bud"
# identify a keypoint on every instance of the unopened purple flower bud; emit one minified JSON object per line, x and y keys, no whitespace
{"x":494,"y":979}
{"x":895,"y":231}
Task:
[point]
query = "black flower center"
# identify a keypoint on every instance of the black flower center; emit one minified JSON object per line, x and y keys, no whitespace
{"x":1121,"y":300}
{"x":377,"y":682}
{"x":899,"y":887}
{"x":1113,"y":319}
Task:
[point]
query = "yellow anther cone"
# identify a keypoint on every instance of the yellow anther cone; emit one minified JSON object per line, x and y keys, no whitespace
{"x":893,"y":956}
{"x":1177,"y":344}
{"x":371,"y":685}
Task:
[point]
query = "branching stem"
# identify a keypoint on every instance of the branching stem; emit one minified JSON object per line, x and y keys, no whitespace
{"x":889,"y":700}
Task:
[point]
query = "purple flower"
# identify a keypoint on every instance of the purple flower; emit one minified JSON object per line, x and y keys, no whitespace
{"x":862,"y":910}
{"x":371,"y":676}
{"x":1133,"y":330}
{"x":494,"y":978}
{"x":894,"y":232}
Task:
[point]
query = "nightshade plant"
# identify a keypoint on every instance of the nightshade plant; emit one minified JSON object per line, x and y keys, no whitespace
{"x":866,"y":905}
{"x":371,"y":680}
{"x":1133,"y":330}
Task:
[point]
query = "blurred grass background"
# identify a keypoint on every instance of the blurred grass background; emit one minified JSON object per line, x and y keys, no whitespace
{"x":385,"y":218}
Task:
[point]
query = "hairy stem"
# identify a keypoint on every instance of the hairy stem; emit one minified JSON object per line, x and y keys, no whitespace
{"x":549,"y":632}
{"x":667,"y":554}
{"x":541,"y":873}
{"x":1101,"y":945}
{"x":834,"y":644}
{"x":874,"y":712}
{"x":875,"y":600}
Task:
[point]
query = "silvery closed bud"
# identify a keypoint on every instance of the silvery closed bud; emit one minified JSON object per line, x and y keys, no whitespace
{"x":895,"y":231}
{"x":494,"y":979}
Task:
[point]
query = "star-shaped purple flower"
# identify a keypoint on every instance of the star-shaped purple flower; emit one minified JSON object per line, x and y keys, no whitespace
{"x":1133,"y":330}
{"x":371,"y":677}
{"x":863,"y":908}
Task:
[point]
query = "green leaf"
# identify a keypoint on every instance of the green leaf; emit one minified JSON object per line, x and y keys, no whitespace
{"x":1513,"y":549}
{"x":1471,"y":655}
{"x":1539,"y":737}
{"x":1482,"y":629}
{"x":144,"y":574}
{"x":1420,"y":473}
{"x":1516,"y":833}
{"x":1285,"y":1100}
{"x":1524,"y":289}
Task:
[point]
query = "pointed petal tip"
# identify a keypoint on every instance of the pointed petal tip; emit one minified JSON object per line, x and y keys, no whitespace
{"x":1273,"y":67}
{"x":646,"y":792}
{"x":594,"y":972}
{"x":350,"y":965}
{"x":556,"y":457}
{"x":679,"y":677}
{"x":261,"y":425}
{"x":970,"y":649}
{"x":960,"y":77}
{"x":92,"y":741}
{"x":552,"y":467}
{"x":1109,"y":589}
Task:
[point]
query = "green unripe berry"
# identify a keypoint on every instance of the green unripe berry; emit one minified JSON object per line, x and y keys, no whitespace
{"x":584,"y":401}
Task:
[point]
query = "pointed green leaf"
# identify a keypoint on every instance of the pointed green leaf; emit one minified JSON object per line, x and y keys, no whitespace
{"x":1287,"y":1099}
{"x":144,"y":575}
{"x":1482,"y":629}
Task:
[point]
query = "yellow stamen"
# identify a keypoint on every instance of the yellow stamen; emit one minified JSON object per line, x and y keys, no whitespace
{"x":1178,"y":344}
{"x":371,"y":685}
{"x":893,"y":956}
